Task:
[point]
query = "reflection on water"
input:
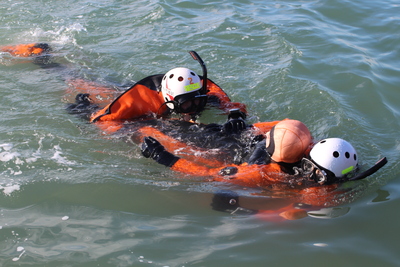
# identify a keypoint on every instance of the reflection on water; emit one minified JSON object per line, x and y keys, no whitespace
{"x":329,"y":213}
{"x":383,"y":195}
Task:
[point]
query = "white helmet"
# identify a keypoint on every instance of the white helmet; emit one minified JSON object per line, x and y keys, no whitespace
{"x":178,"y":82}
{"x":335,"y":155}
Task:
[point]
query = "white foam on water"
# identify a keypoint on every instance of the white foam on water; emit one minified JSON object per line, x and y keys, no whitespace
{"x":60,"y":159}
{"x":7,"y":190}
{"x":7,"y":156}
{"x":19,"y":249}
{"x":62,"y":35}
{"x":6,"y":146}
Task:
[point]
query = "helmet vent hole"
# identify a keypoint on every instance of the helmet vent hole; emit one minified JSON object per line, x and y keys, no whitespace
{"x":347,"y":155}
{"x":355,"y":157}
{"x":323,"y":141}
{"x":171,"y":76}
{"x":192,"y":73}
{"x":336,"y":154}
{"x":180,"y":78}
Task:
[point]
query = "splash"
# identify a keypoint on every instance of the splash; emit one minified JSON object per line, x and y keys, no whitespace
{"x":61,"y":36}
{"x":7,"y":190}
{"x":7,"y":155}
{"x":17,"y":164}
{"x":59,"y":158}
{"x":7,"y":146}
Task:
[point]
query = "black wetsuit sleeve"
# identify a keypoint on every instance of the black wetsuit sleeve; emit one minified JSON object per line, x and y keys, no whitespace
{"x":260,"y":154}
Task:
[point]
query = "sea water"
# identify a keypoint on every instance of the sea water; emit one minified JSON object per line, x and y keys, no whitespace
{"x":71,"y":195}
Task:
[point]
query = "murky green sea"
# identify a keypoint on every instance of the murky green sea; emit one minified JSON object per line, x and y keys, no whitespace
{"x":73,"y":196}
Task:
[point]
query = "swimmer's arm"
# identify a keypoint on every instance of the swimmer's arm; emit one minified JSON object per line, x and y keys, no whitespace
{"x":151,"y":148}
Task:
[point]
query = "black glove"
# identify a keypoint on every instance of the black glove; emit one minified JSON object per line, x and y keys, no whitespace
{"x":235,"y":122}
{"x":259,"y":155}
{"x":151,"y":148}
{"x":83,"y":99}
{"x":234,"y":126}
{"x":236,"y":114}
{"x":83,"y":105}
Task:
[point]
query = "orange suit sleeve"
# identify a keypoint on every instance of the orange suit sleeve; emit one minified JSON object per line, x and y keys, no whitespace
{"x":136,"y":102}
{"x":243,"y":175}
{"x":263,"y":127}
{"x":191,"y":153}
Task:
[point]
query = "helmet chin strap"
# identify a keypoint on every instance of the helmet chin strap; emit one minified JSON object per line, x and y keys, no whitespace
{"x":171,"y":102}
{"x":271,"y":145}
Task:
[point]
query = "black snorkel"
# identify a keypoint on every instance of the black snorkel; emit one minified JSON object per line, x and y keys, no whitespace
{"x":196,"y":57}
{"x":379,"y":164}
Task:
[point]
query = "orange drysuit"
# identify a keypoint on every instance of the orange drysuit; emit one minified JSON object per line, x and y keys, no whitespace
{"x":142,"y":101}
{"x":145,"y":99}
{"x":26,"y":50}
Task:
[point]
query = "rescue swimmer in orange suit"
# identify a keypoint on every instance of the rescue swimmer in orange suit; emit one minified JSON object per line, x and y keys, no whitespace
{"x":180,"y":91}
{"x":26,"y":50}
{"x":288,"y":142}
{"x":280,"y":163}
{"x":38,"y":52}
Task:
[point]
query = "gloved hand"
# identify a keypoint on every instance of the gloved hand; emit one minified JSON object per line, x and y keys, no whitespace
{"x":234,"y":126}
{"x":83,"y":105}
{"x":235,"y":122}
{"x":151,"y":148}
{"x":83,"y":99}
{"x":236,"y":114}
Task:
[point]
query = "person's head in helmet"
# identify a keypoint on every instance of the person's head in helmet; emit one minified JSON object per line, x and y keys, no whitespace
{"x":331,"y":160}
{"x":181,"y":90}
{"x":288,"y":141}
